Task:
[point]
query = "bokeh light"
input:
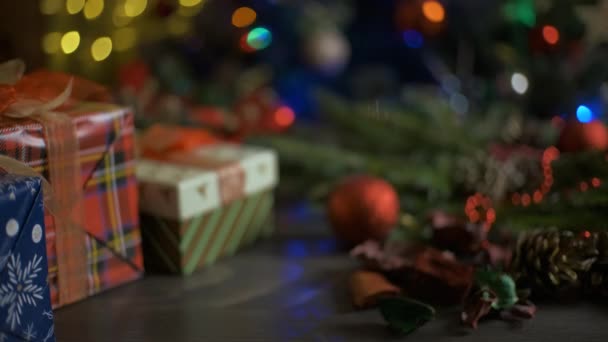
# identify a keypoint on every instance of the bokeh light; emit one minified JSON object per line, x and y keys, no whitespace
{"x":189,"y":3}
{"x":519,"y":83}
{"x":51,"y":42}
{"x":537,"y":197}
{"x":133,"y":8}
{"x":243,"y":44}
{"x":521,"y":11}
{"x":413,"y":39}
{"x":93,"y":8}
{"x":189,"y":11}
{"x":433,"y":11}
{"x":584,"y":114}
{"x":259,"y":38}
{"x":74,"y":6}
{"x":550,"y":34}
{"x":119,"y":17}
{"x":243,"y":17}
{"x":525,"y":200}
{"x":101,"y":48}
{"x":284,"y":116}
{"x":70,"y":42}
{"x":124,"y":38}
{"x":50,"y":7}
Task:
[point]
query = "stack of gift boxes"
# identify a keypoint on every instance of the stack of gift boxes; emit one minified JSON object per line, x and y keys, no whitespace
{"x":80,"y":214}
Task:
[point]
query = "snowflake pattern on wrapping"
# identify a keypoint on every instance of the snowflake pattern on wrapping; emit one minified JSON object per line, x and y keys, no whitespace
{"x":25,"y":303}
{"x":20,"y":289}
{"x":30,"y":333}
{"x":9,"y":188}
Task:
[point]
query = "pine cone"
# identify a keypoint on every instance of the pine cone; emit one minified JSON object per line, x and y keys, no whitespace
{"x":553,"y":263}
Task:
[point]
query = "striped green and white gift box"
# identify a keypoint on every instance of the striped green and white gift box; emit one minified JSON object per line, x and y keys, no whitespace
{"x":192,"y":215}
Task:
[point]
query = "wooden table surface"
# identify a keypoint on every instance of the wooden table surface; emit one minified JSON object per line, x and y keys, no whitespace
{"x":289,"y":288}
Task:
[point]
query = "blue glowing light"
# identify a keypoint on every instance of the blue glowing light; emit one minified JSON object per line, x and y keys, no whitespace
{"x":296,"y":249}
{"x":259,"y":38}
{"x":413,"y":39}
{"x":584,"y":114}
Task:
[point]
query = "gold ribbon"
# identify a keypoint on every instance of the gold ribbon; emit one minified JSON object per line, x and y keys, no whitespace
{"x":63,"y":197}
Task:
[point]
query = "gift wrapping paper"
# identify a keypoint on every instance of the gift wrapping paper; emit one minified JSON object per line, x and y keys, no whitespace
{"x":205,"y":204}
{"x":106,"y":154}
{"x":25,"y":300}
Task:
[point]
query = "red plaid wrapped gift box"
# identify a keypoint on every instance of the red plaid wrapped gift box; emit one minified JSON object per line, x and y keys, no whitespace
{"x":106,"y":155}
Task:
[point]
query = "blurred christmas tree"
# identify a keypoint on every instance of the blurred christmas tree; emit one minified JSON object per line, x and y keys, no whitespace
{"x":444,"y":98}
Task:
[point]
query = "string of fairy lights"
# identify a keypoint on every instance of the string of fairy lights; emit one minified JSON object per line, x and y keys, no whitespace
{"x":97,"y":14}
{"x":84,"y":33}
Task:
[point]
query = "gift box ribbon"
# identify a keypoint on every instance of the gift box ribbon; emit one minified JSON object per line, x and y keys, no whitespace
{"x":179,"y":145}
{"x":231,"y":174}
{"x":36,"y":97}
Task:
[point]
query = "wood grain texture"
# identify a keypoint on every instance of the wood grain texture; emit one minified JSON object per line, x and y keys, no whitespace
{"x":290,"y":288}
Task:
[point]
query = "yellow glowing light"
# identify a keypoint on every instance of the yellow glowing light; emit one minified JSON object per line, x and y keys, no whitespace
{"x":119,"y":17}
{"x":189,"y":11}
{"x":50,"y":42}
{"x":74,"y":6}
{"x":133,"y":8}
{"x":177,"y":26}
{"x":93,"y":9}
{"x":189,"y":3}
{"x":243,"y":17}
{"x":124,"y":38}
{"x":49,"y":7}
{"x":70,"y":42}
{"x":433,"y":11}
{"x":101,"y":48}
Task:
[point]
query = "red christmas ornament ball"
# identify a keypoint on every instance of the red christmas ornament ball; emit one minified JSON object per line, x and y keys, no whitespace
{"x":576,"y":136}
{"x":362,"y":208}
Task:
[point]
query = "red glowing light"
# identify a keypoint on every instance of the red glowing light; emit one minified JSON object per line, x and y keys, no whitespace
{"x":551,"y":153}
{"x":595,"y":182}
{"x":551,"y":34}
{"x":284,"y":116}
{"x":525,"y":200}
{"x":474,"y":216}
{"x":244,"y":45}
{"x":491,"y":215}
{"x":584,"y":186}
{"x":538,"y":196}
{"x":516,"y":198}
{"x":587,"y":234}
{"x":475,"y":200}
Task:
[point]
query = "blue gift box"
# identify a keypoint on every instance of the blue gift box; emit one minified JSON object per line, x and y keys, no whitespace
{"x":25,"y":300}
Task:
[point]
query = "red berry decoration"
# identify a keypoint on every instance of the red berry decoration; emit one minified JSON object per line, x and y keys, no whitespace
{"x":363,"y":208}
{"x":577,"y":136}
